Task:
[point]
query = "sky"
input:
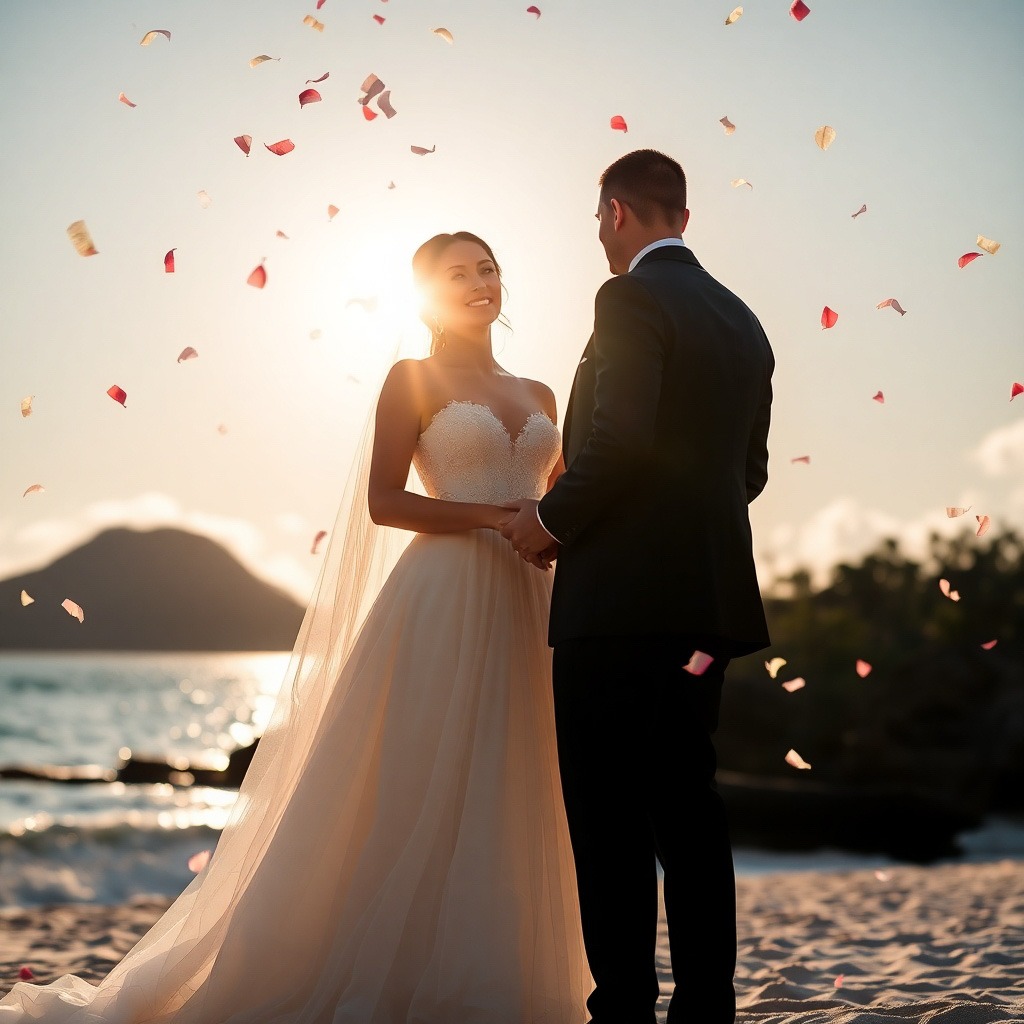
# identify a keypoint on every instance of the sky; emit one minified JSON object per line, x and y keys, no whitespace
{"x":249,"y":442}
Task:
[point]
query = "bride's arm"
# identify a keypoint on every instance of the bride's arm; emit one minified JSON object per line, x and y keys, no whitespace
{"x":396,"y":430}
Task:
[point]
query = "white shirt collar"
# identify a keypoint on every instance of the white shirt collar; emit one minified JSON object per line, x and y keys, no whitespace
{"x":650,"y":248}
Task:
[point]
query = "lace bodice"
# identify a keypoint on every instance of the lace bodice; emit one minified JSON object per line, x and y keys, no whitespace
{"x":466,"y":454}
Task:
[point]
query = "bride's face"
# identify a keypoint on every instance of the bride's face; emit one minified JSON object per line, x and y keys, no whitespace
{"x":466,"y":290}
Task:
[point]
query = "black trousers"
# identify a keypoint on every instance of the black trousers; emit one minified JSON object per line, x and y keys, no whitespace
{"x":637,"y":765}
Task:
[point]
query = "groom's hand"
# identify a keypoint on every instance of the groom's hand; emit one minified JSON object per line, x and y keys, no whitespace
{"x":524,"y":532}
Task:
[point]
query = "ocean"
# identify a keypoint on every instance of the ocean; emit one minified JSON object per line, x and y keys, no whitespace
{"x":107,"y":842}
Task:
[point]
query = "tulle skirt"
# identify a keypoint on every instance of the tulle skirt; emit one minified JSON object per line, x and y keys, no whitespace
{"x":419,"y":871}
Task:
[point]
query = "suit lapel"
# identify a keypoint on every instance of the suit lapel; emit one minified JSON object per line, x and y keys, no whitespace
{"x":567,"y":429}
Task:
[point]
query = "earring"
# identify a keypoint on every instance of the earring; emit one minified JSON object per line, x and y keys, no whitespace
{"x":438,"y":327}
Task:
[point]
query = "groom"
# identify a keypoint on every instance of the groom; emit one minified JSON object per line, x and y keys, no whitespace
{"x":665,"y":445}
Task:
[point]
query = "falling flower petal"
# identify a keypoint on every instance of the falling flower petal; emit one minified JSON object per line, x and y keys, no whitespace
{"x":863,"y":668}
{"x":150,"y":36}
{"x":73,"y":609}
{"x":794,"y":759}
{"x":986,"y":646}
{"x":372,"y":86}
{"x":805,"y":459}
{"x":124,"y":99}
{"x":391,"y":184}
{"x":825,"y":136}
{"x":204,"y":198}
{"x":794,"y":684}
{"x":80,"y":239}
{"x":799,"y":10}
{"x":384,"y":104}
{"x":27,"y":599}
{"x":309,"y":96}
{"x":32,"y":489}
{"x":379,"y":19}
{"x":727,"y":124}
{"x":187,"y":353}
{"x":222,"y":428}
{"x":734,"y":16}
{"x":369,"y":114}
{"x":618,"y":123}
{"x":736,"y":182}
{"x":1015,"y":390}
{"x":968,"y":257}
{"x":258,"y":278}
{"x":320,"y":3}
{"x":256,"y":61}
{"x":281,"y":234}
{"x":988,"y":245}
{"x":774,"y":665}
{"x":882,"y":876}
{"x":444,"y":34}
{"x":169,"y":261}
{"x":535,"y":11}
{"x":243,"y":142}
{"x":828,"y":318}
{"x":953,"y":595}
{"x":117,"y":394}
{"x":26,"y":405}
{"x":25,"y":973}
{"x":280,"y":148}
{"x":698,"y":663}
{"x":838,"y":983}
{"x":317,"y":81}
{"x":984,"y":522}
{"x":320,"y":534}
{"x":895,"y":305}
{"x":878,"y":397}
{"x":198,"y":861}
{"x":331,"y":211}
{"x":420,"y":151}
{"x":953,"y":511}
{"x":863,"y":209}
{"x":313,"y":23}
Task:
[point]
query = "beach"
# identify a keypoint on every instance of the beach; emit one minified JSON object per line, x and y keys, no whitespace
{"x":928,"y":945}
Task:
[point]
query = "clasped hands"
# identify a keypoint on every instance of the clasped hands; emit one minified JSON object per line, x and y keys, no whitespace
{"x":522,"y":529}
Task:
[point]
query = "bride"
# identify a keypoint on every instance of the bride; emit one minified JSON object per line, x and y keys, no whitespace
{"x":397,"y":853}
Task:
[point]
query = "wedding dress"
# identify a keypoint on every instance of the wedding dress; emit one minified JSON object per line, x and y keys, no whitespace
{"x":405,"y":859}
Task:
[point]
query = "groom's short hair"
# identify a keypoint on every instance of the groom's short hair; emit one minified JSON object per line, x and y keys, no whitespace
{"x":649,"y":182}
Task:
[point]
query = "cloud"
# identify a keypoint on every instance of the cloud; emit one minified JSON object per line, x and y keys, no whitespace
{"x":1001,"y":452}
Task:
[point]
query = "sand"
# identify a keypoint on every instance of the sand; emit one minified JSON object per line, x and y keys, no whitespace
{"x":936,"y":945}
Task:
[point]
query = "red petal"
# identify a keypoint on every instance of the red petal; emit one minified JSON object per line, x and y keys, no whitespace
{"x":838,"y":983}
{"x":1015,"y":390}
{"x":878,"y":397}
{"x":258,"y":278}
{"x":282,"y":147}
{"x":320,"y":3}
{"x":198,"y":861}
{"x":535,"y":11}
{"x":799,"y":10}
{"x":320,"y":534}
{"x":25,"y":973}
{"x":332,"y":210}
{"x":309,"y":96}
{"x":187,"y":353}
{"x":169,"y":261}
{"x":243,"y":142}
{"x":369,"y":114}
{"x":117,"y":394}
{"x":618,"y":123}
{"x":805,"y":459}
{"x":377,"y":18}
{"x":420,"y":151}
{"x":828,"y":318}
{"x":968,"y":257}
{"x":988,"y":645}
{"x":124,"y":99}
{"x":315,"y":81}
{"x":863,"y":668}
{"x":698,"y":663}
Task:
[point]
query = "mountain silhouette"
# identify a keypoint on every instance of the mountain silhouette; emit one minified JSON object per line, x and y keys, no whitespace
{"x":161,"y":590}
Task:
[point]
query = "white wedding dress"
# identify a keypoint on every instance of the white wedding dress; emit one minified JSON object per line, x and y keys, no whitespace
{"x":415,"y":867}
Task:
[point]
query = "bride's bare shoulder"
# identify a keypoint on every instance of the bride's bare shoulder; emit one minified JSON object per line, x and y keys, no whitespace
{"x":542,"y":394}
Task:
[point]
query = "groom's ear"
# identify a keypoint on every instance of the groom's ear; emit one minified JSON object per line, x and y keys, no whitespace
{"x":686,"y":217}
{"x":618,"y":213}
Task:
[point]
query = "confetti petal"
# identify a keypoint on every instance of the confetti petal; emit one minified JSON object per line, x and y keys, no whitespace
{"x":309,"y":96}
{"x":1015,"y":390}
{"x":774,"y":665}
{"x":320,"y":3}
{"x":369,"y":114}
{"x":73,"y":609}
{"x":954,"y":511}
{"x":320,"y":534}
{"x":727,"y":124}
{"x":734,"y":16}
{"x":882,"y":876}
{"x":379,"y":19}
{"x":986,"y":646}
{"x":805,"y":459}
{"x":313,"y":23}
{"x":618,"y":123}
{"x":443,"y":33}
{"x":124,"y":99}
{"x":27,"y":599}
{"x":204,"y":198}
{"x":794,"y":759}
{"x":187,"y":353}
{"x":198,"y":861}
{"x":838,"y":983}
{"x":244,"y":143}
{"x":698,"y":663}
{"x":280,"y":148}
{"x":799,"y":10}
{"x":80,"y":239}
{"x":968,"y":257}
{"x":258,"y":278}
{"x":825,"y":136}
{"x":984,"y":522}
{"x":391,"y":184}
{"x":863,"y":209}
{"x":317,"y":81}
{"x":894,"y":303}
{"x":384,"y":104}
{"x":26,"y":405}
{"x":151,"y":35}
{"x":535,"y":11}
{"x":863,"y":668}
{"x":736,"y":182}
{"x":988,"y":245}
{"x":32,"y":489}
{"x":420,"y":151}
{"x":878,"y":397}
{"x":792,"y":685}
{"x":372,"y":86}
{"x":944,"y":586}
{"x":261,"y":59}
{"x":281,"y":234}
{"x":332,"y":211}
{"x":828,"y":318}
{"x":25,"y":973}
{"x":169,"y":261}
{"x":117,"y":394}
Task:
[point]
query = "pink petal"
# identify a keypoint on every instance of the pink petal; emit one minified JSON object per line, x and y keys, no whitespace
{"x":863,"y":668}
{"x":698,"y":663}
{"x":74,"y":610}
{"x":243,"y":142}
{"x":618,"y":123}
{"x":792,"y":685}
{"x":805,"y":459}
{"x":377,"y":18}
{"x":372,"y":86}
{"x":984,"y":522}
{"x":187,"y":353}
{"x":988,"y":645}
{"x":281,"y":234}
{"x":282,"y":147}
{"x":799,"y":9}
{"x":774,"y":665}
{"x":727,"y":124}
{"x":955,"y":511}
{"x":309,"y":96}
{"x":968,"y":257}
{"x":895,"y":305}
{"x":838,"y":983}
{"x":332,"y":210}
{"x":320,"y":3}
{"x":169,"y":261}
{"x":25,"y":973}
{"x":198,"y":861}
{"x":1015,"y":390}
{"x":32,"y":489}
{"x":420,"y":151}
{"x":124,"y":99}
{"x":384,"y":104}
{"x":944,"y":586}
{"x":878,"y":397}
{"x":258,"y":278}
{"x":317,"y":81}
{"x":794,"y":759}
{"x":535,"y":11}
{"x":828,"y":318}
{"x":320,"y":534}
{"x":863,"y":209}
{"x":369,"y":114}
{"x":882,"y":876}
{"x":117,"y":394}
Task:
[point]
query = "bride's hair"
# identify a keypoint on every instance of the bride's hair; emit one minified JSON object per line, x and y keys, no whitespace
{"x":424,"y":265}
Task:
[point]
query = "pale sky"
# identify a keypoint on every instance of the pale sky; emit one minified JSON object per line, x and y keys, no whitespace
{"x":925,"y":99}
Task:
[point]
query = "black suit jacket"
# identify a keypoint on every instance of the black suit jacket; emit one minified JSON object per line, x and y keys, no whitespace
{"x":665,"y":444}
